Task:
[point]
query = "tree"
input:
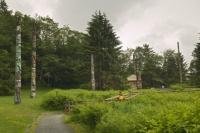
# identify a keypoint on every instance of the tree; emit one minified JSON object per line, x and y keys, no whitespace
{"x":7,"y":49}
{"x":104,"y":45}
{"x":3,"y":7}
{"x":171,"y":67}
{"x":149,"y":65}
{"x":195,"y":66}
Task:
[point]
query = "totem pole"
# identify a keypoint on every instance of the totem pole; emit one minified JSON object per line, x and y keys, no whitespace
{"x":33,"y":70}
{"x":17,"y":95}
{"x":92,"y":72}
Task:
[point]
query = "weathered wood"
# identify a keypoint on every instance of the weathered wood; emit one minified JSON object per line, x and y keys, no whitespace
{"x":33,"y":72}
{"x":92,"y":72}
{"x":179,"y":65}
{"x":17,"y":95}
{"x":125,"y":96}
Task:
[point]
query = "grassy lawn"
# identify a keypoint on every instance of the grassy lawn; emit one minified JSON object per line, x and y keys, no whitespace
{"x":19,"y":118}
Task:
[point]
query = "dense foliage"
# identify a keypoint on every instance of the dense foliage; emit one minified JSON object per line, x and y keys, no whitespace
{"x":56,"y":99}
{"x":151,"y":111}
{"x":171,"y":68}
{"x":62,"y":60}
{"x":195,"y":66}
{"x":63,"y":56}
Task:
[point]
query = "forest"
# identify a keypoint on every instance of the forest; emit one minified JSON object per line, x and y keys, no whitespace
{"x":63,"y":56}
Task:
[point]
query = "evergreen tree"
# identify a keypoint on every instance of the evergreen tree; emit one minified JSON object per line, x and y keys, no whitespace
{"x":104,"y":45}
{"x":7,"y":49}
{"x":149,"y":65}
{"x":195,"y":66}
{"x":171,"y":67}
{"x":3,"y":7}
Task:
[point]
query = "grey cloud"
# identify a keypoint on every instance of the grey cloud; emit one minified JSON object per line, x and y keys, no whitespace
{"x":77,"y":13}
{"x":185,"y":34}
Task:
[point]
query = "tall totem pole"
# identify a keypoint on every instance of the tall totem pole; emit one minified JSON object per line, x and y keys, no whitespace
{"x":179,"y":65}
{"x":33,"y":72}
{"x":17,"y":96}
{"x":92,"y":72}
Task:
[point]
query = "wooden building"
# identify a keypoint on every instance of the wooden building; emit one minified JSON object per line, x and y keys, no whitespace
{"x":133,"y":82}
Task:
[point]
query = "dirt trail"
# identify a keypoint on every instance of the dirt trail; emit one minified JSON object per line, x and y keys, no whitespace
{"x":53,"y":123}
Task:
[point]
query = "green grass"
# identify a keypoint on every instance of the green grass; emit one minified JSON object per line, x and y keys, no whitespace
{"x":151,"y":111}
{"x":19,"y":118}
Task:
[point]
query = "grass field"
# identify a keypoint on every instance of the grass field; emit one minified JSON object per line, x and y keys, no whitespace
{"x":19,"y":118}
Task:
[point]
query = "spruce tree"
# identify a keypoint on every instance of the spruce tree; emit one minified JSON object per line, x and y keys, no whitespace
{"x":170,"y":67}
{"x":7,"y":44}
{"x":195,"y":66}
{"x":3,"y":7}
{"x":104,"y":45}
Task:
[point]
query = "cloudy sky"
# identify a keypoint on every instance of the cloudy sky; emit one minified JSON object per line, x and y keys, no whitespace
{"x":160,"y":23}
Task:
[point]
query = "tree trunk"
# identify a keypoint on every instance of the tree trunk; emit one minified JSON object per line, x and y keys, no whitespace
{"x":33,"y":72}
{"x":17,"y":96}
{"x":92,"y":72}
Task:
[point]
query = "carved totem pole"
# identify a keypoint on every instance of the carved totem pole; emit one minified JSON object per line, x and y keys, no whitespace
{"x":17,"y":96}
{"x":92,"y":72}
{"x":33,"y":72}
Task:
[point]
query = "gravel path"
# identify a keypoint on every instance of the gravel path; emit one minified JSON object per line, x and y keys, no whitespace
{"x":53,"y":123}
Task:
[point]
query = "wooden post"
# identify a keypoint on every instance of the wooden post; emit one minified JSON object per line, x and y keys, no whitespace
{"x":17,"y":95}
{"x":179,"y":65}
{"x":92,"y":72}
{"x":33,"y":72}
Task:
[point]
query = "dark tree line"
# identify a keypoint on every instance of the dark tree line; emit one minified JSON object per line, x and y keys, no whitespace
{"x":64,"y":55}
{"x":195,"y":66}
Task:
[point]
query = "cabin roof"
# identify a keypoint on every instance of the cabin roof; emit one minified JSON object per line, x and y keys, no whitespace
{"x":132,"y":78}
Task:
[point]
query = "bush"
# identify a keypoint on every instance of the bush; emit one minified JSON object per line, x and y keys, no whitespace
{"x":151,"y":112}
{"x":89,"y":114}
{"x":55,"y":100}
{"x":176,"y":87}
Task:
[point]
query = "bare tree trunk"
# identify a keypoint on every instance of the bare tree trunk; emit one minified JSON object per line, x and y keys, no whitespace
{"x":92,"y":72}
{"x":33,"y":72}
{"x":17,"y":96}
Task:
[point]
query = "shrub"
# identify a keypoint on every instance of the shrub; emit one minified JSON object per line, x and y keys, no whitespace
{"x":150,"y":112}
{"x":175,"y":87}
{"x":89,"y":114}
{"x":55,"y":100}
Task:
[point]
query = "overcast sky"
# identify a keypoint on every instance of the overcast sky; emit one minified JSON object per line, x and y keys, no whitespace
{"x":160,"y":23}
